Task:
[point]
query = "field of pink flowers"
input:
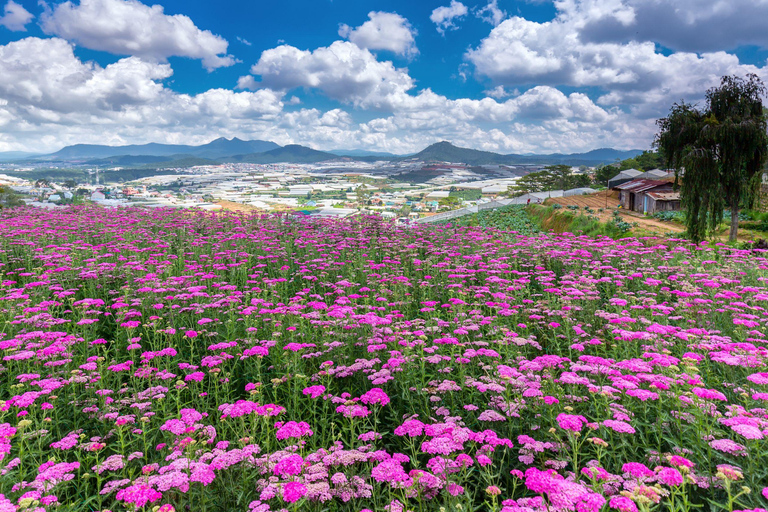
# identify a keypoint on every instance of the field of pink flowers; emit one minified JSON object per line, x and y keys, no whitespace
{"x":188,"y":361}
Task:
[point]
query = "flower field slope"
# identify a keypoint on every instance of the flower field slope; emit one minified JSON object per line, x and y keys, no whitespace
{"x":190,"y":361}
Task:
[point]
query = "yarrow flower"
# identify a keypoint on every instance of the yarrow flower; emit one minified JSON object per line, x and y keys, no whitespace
{"x":353,"y":411}
{"x":375,"y":396}
{"x":392,"y":472}
{"x":293,"y":491}
{"x":670,"y":476}
{"x":728,"y":446}
{"x":314,"y":391}
{"x":728,"y":472}
{"x":138,"y":495}
{"x":619,"y":426}
{"x":293,"y":429}
{"x":622,"y":504}
{"x":680,"y":462}
{"x":571,"y":422}
{"x":289,"y":466}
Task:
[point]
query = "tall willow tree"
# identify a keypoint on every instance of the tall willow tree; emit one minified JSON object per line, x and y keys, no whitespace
{"x":717,"y":153}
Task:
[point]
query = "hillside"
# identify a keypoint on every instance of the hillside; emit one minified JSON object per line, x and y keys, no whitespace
{"x":293,"y":153}
{"x":447,"y":152}
{"x":218,"y":148}
{"x":260,"y":151}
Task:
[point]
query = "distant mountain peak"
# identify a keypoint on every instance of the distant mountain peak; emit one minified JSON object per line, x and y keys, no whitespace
{"x":443,"y":144}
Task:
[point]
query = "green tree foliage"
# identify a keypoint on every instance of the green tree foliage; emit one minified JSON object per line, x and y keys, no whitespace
{"x":449,"y":202}
{"x":554,"y":177}
{"x":9,"y":198}
{"x":717,"y":151}
{"x":605,"y":173}
{"x":649,"y":160}
{"x":466,"y":195}
{"x":646,"y":161}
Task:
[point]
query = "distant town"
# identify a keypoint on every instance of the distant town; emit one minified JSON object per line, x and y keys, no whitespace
{"x":421,"y":188}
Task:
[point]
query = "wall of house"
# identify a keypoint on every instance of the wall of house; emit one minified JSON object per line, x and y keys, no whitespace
{"x":624,"y":199}
{"x":638,"y":207}
{"x":667,"y":206}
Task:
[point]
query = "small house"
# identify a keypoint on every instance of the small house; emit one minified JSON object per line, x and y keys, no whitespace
{"x":648,"y":196}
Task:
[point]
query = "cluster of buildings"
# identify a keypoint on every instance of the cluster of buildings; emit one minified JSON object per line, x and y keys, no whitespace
{"x":405,"y":190}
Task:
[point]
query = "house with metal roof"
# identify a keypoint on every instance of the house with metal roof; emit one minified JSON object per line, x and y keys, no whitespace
{"x":623,"y":177}
{"x":648,"y":196}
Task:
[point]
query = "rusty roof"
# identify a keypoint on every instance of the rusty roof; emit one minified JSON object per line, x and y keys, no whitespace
{"x":641,"y":185}
{"x":665,"y":196}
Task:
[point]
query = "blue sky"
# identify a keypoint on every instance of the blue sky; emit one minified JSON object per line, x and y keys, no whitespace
{"x":501,"y":75}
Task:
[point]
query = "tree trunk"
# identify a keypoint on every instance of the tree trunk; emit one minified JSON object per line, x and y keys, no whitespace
{"x":734,"y":222}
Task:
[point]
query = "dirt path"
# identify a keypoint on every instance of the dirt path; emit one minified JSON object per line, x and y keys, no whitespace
{"x":608,"y":201}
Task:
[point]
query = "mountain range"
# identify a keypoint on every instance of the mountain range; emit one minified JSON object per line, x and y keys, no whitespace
{"x":219,"y":148}
{"x":224,"y":150}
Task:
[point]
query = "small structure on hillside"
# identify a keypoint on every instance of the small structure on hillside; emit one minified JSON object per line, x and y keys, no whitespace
{"x":648,"y":196}
{"x":655,"y":174}
{"x":623,"y":177}
{"x":578,"y":191}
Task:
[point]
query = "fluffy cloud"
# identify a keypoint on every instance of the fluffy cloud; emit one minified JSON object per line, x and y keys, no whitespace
{"x":444,"y":17}
{"x":684,"y":25}
{"x":352,"y":75}
{"x":129,"y":27}
{"x":45,"y":75}
{"x":342,"y":71}
{"x":15,"y":17}
{"x":50,"y":97}
{"x":616,"y":87}
{"x":520,"y":52}
{"x":500,"y":92}
{"x":491,"y":13}
{"x":383,"y":31}
{"x":542,"y":119}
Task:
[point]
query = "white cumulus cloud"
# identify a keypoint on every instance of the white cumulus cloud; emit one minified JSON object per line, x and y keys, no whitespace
{"x":342,"y":71}
{"x":632,"y":73}
{"x":445,"y":17}
{"x":491,"y":13}
{"x":383,"y":31}
{"x":15,"y":17}
{"x":49,"y":97}
{"x":129,"y":27}
{"x":683,"y":25}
